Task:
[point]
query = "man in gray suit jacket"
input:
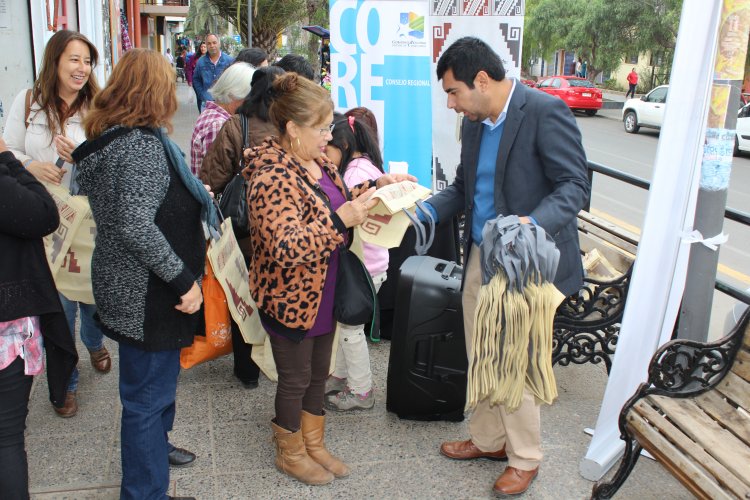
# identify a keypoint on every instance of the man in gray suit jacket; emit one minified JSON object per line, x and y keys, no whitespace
{"x":522,"y":155}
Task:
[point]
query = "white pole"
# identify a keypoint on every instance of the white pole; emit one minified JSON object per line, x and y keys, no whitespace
{"x":661,"y":263}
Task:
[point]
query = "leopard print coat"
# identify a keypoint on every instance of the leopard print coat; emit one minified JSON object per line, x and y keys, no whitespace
{"x":293,"y":233}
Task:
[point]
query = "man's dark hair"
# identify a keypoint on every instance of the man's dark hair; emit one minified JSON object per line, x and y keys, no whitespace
{"x":468,"y":56}
{"x":253,"y":56}
{"x":257,"y":101}
{"x":297,"y":64}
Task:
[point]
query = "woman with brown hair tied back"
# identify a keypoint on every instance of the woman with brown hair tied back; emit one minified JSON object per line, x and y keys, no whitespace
{"x":151,"y":213}
{"x":42,"y":130}
{"x":299,"y":214}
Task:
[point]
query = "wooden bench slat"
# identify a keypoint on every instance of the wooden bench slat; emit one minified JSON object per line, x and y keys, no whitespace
{"x":746,"y":341}
{"x":717,"y":441}
{"x":735,"y":389}
{"x":690,"y":450}
{"x":607,"y":236}
{"x":720,"y":410}
{"x":687,"y":472}
{"x":741,"y":366}
{"x":605,"y":225}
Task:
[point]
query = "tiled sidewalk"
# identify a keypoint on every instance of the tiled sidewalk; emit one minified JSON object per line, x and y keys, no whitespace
{"x":228,"y":427}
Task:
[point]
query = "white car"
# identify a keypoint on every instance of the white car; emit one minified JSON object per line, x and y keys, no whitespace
{"x":647,"y":111}
{"x":742,"y":138}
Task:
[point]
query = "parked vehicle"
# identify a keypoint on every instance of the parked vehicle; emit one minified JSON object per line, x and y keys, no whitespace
{"x":578,"y":93}
{"x":742,"y":137}
{"x":646,"y":111}
{"x":528,"y":83}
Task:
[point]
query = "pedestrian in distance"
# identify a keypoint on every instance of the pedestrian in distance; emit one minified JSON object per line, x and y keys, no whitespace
{"x":42,"y":130}
{"x":509,"y":166}
{"x":209,"y":69}
{"x":169,"y":58}
{"x":31,"y":316}
{"x":354,"y":150}
{"x":632,"y":83}
{"x":180,"y":65}
{"x":299,"y":214}
{"x":149,"y":257}
{"x":579,"y":68}
{"x":190,"y":63}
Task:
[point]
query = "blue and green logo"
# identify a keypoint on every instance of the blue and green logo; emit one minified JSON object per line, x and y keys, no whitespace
{"x":412,"y":24}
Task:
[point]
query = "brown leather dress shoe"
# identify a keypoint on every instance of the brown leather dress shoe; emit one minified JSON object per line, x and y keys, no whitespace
{"x":100,"y":360}
{"x":467,"y":450}
{"x":70,"y":408}
{"x":514,"y":481}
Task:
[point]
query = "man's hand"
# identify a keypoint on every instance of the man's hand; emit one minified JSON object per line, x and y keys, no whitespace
{"x":524,"y":220}
{"x":386,"y":179}
{"x":353,"y":213}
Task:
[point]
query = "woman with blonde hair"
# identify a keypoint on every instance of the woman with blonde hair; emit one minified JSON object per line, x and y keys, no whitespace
{"x":151,"y":214}
{"x":43,"y":128}
{"x":299,"y":214}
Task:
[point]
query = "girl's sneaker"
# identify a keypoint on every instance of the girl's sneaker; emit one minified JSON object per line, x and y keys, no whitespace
{"x":335,"y":384}
{"x":347,"y":400}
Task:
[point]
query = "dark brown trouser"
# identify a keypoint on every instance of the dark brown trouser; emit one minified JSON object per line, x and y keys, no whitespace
{"x":303,"y":369}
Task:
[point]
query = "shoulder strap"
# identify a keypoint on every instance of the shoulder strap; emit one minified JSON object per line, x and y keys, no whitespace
{"x":27,"y":111}
{"x":245,"y":139}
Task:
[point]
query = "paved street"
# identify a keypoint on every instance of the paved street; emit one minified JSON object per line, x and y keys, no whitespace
{"x":606,"y":142}
{"x":228,"y":427}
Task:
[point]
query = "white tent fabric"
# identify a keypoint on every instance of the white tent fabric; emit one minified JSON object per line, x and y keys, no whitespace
{"x":660,"y":269}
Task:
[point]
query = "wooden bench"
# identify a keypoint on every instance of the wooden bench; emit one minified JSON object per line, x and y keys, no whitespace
{"x":587,"y":325}
{"x":693,"y":416}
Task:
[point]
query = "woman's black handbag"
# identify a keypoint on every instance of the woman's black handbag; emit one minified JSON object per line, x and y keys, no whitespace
{"x":233,"y":200}
{"x":356,"y":301}
{"x":355,"y":298}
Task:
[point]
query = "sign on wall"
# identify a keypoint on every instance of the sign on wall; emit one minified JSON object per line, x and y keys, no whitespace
{"x":380,"y":59}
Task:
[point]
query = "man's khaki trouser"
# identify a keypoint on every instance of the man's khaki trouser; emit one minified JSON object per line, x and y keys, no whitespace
{"x":492,"y":427}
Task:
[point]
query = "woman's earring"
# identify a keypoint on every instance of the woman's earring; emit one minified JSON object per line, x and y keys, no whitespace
{"x":299,"y":143}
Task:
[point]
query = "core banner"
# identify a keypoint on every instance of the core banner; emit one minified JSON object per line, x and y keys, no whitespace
{"x":380,"y":59}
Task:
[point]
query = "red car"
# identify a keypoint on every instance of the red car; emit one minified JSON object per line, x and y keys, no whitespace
{"x":578,"y":93}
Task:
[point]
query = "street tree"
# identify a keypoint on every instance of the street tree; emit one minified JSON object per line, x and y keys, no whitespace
{"x":270,"y":17}
{"x":602,"y":32}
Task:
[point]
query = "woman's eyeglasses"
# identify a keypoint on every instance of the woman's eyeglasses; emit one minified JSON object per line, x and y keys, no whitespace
{"x":326,"y":130}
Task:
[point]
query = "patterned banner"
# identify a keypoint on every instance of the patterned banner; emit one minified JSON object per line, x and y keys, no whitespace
{"x":497,"y":22}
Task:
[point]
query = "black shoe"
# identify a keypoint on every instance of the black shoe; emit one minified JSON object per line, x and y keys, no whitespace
{"x":180,"y":457}
{"x":180,"y":498}
{"x":247,"y":383}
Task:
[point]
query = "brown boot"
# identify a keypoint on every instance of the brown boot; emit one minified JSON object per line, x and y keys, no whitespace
{"x":313,"y":428}
{"x":292,"y":458}
{"x":70,"y":408}
{"x":100,"y":360}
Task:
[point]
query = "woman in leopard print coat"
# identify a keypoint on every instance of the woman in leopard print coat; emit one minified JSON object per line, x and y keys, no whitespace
{"x":299,"y":214}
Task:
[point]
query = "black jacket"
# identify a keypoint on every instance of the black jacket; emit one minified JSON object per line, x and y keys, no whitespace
{"x":27,"y":213}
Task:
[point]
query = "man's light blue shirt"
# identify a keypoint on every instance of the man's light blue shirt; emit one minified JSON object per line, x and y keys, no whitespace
{"x":206,"y":73}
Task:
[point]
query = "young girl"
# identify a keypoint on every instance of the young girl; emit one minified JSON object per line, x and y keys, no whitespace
{"x":354,"y":148}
